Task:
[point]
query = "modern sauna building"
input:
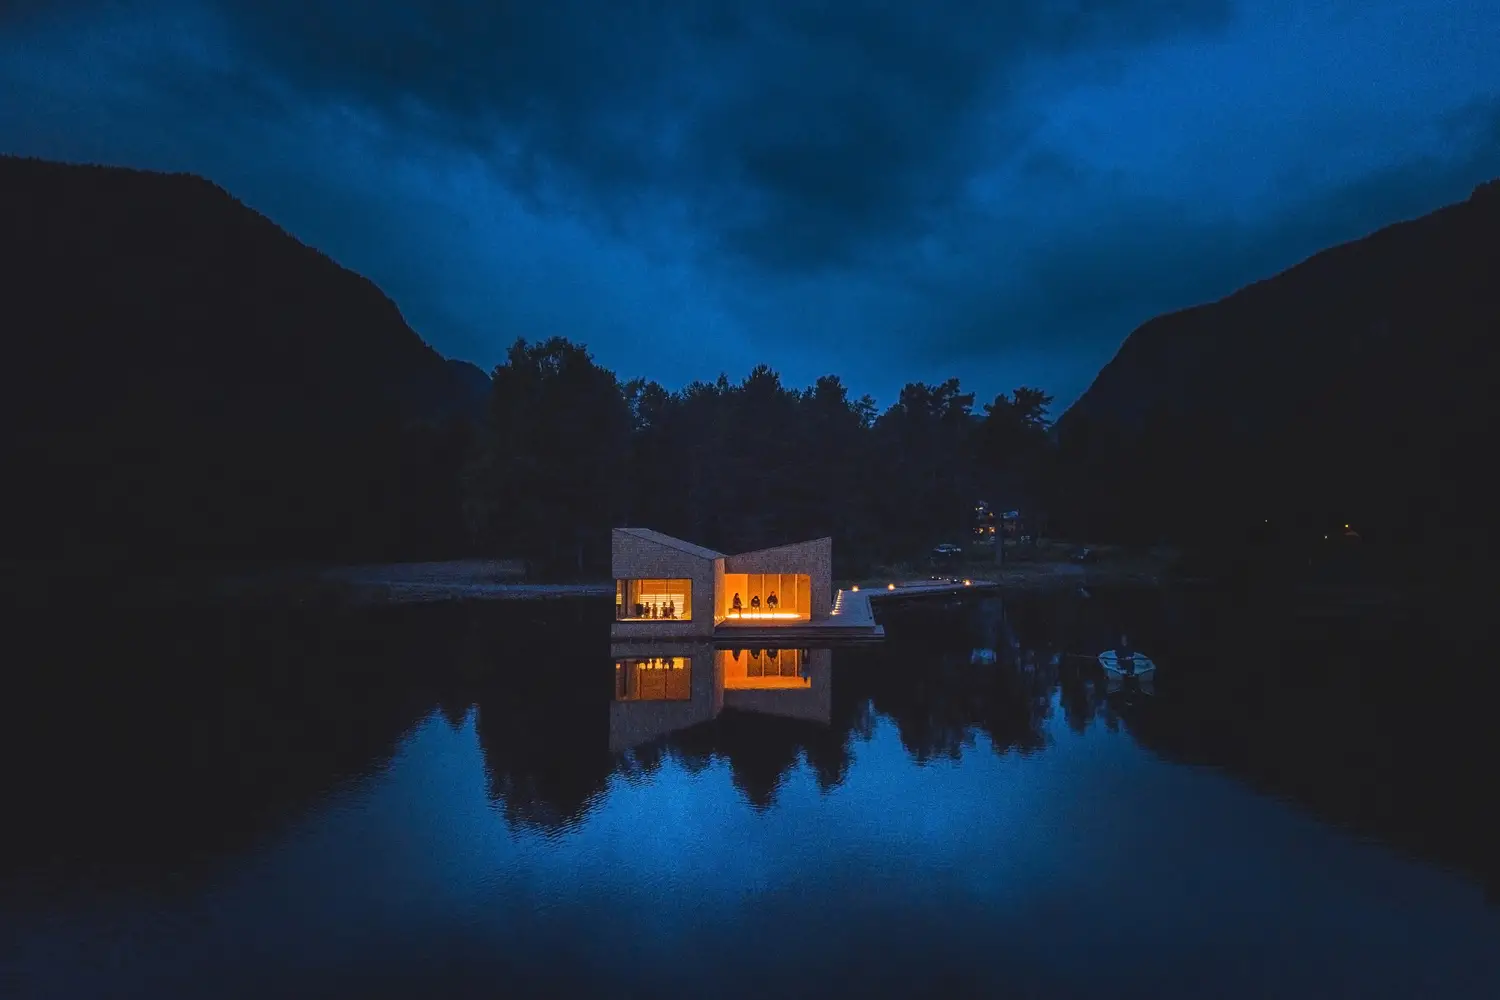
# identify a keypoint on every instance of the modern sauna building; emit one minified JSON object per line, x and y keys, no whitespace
{"x":666,"y":588}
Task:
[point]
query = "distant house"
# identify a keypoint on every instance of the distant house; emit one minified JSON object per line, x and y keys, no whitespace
{"x":988,"y":525}
{"x":667,"y":588}
{"x":984,"y":521}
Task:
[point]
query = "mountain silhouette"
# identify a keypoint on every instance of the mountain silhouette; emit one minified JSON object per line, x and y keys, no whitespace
{"x":185,"y":380}
{"x":1354,"y":388}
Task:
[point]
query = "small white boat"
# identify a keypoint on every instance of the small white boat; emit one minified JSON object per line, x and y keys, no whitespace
{"x":1131,"y":665}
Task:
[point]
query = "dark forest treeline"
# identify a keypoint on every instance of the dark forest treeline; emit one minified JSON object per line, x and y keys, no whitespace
{"x":566,"y":450}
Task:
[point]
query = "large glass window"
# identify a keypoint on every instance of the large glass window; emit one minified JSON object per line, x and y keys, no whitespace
{"x":654,"y":678}
{"x":653,"y":600}
{"x":766,"y":597}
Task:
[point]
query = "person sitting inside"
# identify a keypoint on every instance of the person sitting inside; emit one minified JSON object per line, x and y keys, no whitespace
{"x":737,"y":607}
{"x":671,"y":609}
{"x":755,"y":603}
{"x":772,"y":602}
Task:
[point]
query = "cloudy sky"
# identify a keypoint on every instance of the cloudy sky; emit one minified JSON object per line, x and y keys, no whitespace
{"x":994,"y":189}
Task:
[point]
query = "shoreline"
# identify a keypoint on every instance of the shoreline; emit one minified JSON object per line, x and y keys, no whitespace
{"x":479,"y":580}
{"x":452,"y":580}
{"x":458,"y":580}
{"x":474,"y":580}
{"x":1036,"y":576}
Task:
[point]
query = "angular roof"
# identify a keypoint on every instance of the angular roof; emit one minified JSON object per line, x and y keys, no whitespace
{"x":646,"y":534}
{"x":786,"y":545}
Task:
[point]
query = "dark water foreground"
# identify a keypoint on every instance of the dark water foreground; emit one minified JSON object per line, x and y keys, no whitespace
{"x":423,"y":802}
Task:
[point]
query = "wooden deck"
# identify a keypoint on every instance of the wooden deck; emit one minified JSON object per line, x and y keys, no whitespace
{"x":924,"y":588}
{"x":850,"y":621}
{"x":852,"y":618}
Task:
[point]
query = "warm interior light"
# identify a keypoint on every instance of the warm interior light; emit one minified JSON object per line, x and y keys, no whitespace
{"x":855,"y":587}
{"x":764,"y":597}
{"x":890,"y":586}
{"x":659,"y":602}
{"x":653,"y":679}
{"x":766,"y":671}
{"x":653,"y":600}
{"x":968,"y":583}
{"x":658,"y":663}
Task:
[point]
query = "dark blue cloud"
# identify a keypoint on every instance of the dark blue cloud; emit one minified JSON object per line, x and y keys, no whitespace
{"x":888,"y":190}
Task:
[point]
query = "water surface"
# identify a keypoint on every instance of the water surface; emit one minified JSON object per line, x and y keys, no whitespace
{"x":473,"y":802}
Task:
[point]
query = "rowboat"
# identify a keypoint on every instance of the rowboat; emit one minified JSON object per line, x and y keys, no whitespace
{"x":1129,"y":665}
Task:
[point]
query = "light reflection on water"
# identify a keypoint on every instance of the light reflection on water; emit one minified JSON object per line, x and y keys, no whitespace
{"x":900,"y":821}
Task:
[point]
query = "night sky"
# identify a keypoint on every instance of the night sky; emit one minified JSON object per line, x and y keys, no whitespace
{"x":890,"y":191}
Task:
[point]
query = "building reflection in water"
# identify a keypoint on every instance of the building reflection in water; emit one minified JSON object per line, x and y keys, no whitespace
{"x":661,"y":690}
{"x":791,"y":683}
{"x":553,"y":740}
{"x":654,"y":678}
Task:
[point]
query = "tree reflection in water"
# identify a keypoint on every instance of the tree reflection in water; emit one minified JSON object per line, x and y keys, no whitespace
{"x":1332,"y":718}
{"x":197,"y":735}
{"x":140,"y":745}
{"x":546,"y":736}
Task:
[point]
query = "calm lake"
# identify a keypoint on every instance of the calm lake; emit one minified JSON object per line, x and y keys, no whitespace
{"x":490,"y":802}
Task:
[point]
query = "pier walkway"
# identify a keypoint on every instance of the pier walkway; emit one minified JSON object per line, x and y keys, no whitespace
{"x":852,"y":618}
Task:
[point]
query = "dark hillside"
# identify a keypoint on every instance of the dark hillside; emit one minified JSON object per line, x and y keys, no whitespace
{"x":185,"y":380}
{"x":1355,"y":388}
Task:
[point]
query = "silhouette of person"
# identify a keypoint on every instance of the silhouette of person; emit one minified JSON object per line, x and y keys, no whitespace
{"x":755,"y":603}
{"x":772,"y":602}
{"x":671,"y":609}
{"x":737,"y":607}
